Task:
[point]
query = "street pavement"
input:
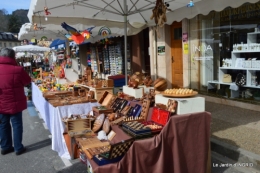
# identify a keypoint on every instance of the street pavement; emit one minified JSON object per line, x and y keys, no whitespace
{"x":40,"y":158}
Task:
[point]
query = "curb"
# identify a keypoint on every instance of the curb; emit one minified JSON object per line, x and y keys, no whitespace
{"x":237,"y":154}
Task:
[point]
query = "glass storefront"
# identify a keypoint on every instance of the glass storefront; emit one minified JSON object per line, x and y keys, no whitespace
{"x":222,"y":45}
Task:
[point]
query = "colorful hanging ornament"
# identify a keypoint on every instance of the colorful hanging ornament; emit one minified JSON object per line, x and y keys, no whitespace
{"x":190,"y":4}
{"x":85,"y":34}
{"x":44,"y":38}
{"x":35,"y":27}
{"x":46,"y":11}
{"x":104,"y":31}
{"x":75,"y":34}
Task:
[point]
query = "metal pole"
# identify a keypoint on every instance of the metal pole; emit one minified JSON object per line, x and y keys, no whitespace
{"x":125,"y":39}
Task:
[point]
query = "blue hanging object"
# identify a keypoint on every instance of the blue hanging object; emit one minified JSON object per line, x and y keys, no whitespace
{"x":190,"y":4}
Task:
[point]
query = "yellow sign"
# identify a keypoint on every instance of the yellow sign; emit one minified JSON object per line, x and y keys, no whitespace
{"x":186,"y":48}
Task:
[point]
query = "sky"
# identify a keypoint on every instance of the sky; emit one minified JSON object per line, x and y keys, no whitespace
{"x":12,"y":5}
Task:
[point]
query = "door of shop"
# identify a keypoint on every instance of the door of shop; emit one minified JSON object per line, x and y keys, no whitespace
{"x":176,"y":55}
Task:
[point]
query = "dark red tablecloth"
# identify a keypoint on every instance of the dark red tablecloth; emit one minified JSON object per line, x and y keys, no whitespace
{"x":181,"y":147}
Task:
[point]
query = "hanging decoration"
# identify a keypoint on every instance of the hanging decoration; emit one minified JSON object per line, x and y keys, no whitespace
{"x":159,"y":13}
{"x":75,"y":34}
{"x":46,"y":10}
{"x":68,"y":36}
{"x":104,"y":31}
{"x":44,"y":38}
{"x":190,"y":4}
{"x":90,"y":29}
{"x":36,"y":27}
{"x":87,"y":32}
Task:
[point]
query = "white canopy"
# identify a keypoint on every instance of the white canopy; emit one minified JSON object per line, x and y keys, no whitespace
{"x":138,"y":13}
{"x":204,"y":7}
{"x":55,"y":31}
{"x":31,"y":48}
{"x":27,"y":32}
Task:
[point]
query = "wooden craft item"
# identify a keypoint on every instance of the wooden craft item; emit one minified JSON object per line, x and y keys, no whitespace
{"x":79,"y":127}
{"x":172,"y":106}
{"x":82,"y":92}
{"x":111,"y":101}
{"x":87,"y":142}
{"x":148,"y":81}
{"x":101,"y":110}
{"x":75,"y":91}
{"x":125,"y":110}
{"x":106,"y":98}
{"x":106,"y":126}
{"x":90,"y":95}
{"x":111,"y":135}
{"x":98,"y":123}
{"x":161,"y":106}
{"x":160,"y":84}
{"x":132,"y":118}
{"x":111,"y":116}
{"x":118,"y":149}
{"x":181,"y":92}
{"x":118,"y":121}
{"x":145,"y":108}
{"x":97,"y":150}
{"x":152,"y":92}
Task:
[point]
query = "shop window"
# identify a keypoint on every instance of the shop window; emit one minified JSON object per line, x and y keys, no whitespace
{"x":177,"y":33}
{"x":217,"y":42}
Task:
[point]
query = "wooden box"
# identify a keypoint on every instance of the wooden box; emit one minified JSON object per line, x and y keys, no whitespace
{"x":136,"y":129}
{"x":108,"y":83}
{"x":107,"y":99}
{"x":119,"y":104}
{"x":86,"y":142}
{"x":118,"y":149}
{"x":97,"y":110}
{"x":79,"y":127}
{"x":145,"y":108}
{"x":158,"y":120}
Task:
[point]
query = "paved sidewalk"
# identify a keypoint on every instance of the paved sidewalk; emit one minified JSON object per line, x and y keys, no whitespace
{"x":235,"y":133}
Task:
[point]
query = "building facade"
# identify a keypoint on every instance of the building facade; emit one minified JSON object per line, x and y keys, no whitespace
{"x":9,"y":40}
{"x":203,"y":51}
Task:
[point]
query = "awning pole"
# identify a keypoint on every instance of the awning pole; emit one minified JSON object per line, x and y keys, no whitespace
{"x":125,"y":39}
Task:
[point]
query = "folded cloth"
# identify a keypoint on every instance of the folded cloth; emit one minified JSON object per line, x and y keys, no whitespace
{"x":234,"y":87}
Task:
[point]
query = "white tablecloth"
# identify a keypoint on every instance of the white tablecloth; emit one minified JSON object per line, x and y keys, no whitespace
{"x":53,"y":118}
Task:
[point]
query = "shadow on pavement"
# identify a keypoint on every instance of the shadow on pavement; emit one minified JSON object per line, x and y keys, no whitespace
{"x":78,"y":167}
{"x":38,"y":145}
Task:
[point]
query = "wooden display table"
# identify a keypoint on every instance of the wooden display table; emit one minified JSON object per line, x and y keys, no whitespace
{"x":185,"y":105}
{"x":98,"y":91}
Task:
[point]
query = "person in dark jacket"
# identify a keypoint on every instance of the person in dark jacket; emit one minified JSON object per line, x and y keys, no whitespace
{"x":13,"y":101}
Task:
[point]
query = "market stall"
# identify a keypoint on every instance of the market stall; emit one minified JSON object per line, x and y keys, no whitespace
{"x":53,"y":116}
{"x":182,"y":146}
